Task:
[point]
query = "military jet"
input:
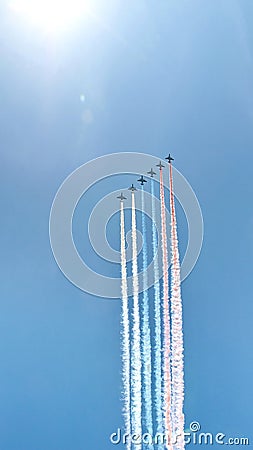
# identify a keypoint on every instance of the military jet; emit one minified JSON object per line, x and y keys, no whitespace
{"x":151,"y":173}
{"x":142,"y":180}
{"x":160,"y":165}
{"x":132,"y":188}
{"x":169,"y":158}
{"x":121,"y":197}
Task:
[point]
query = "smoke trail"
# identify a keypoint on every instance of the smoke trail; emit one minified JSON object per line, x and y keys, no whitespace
{"x":146,"y":339}
{"x":125,"y":331}
{"x":136,"y":347}
{"x":166,"y":324}
{"x":157,"y":318}
{"x":177,"y":363}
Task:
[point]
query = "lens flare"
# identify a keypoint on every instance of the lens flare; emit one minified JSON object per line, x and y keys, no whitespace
{"x":52,"y":16}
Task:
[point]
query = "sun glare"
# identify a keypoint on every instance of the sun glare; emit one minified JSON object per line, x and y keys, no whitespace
{"x":51,"y":15}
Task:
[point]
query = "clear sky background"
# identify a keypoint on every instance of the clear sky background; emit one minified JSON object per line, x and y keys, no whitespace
{"x":156,"y":76}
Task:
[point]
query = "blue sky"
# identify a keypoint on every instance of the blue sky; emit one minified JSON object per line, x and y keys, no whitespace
{"x":157,"y":76}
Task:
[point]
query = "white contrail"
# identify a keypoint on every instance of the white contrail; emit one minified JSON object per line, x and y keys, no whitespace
{"x":136,"y":406}
{"x":125,"y":332}
{"x":177,"y":363}
{"x":146,"y":339}
{"x":157,"y":318}
{"x":166,"y":325}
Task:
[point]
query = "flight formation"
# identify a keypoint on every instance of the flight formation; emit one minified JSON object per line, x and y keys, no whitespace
{"x":152,"y":329}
